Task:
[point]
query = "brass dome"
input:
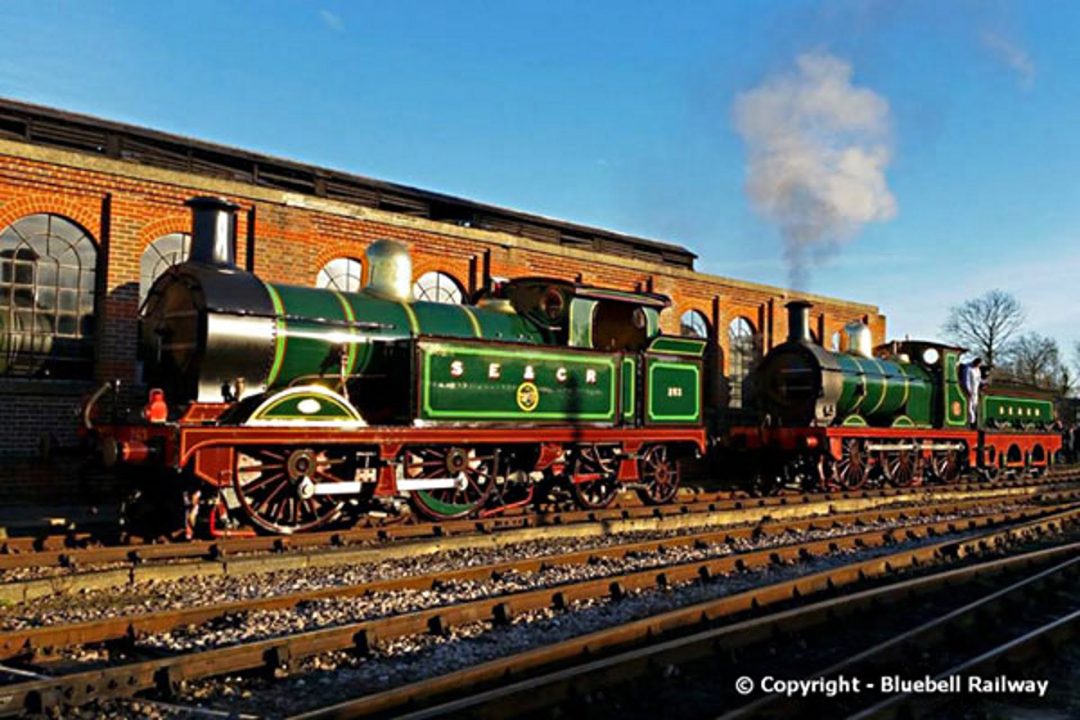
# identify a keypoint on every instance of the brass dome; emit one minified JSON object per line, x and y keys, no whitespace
{"x":389,"y":271}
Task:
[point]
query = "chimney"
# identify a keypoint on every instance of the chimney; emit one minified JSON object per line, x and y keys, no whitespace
{"x":798,"y":319}
{"x":213,"y":231}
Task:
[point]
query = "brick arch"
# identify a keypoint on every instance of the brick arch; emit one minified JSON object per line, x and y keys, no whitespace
{"x":338,"y":250}
{"x":84,"y":213}
{"x":155,"y":229}
{"x":448,"y":266}
{"x":327,"y":254}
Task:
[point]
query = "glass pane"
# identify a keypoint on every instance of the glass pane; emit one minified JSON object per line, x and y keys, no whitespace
{"x":69,"y":300}
{"x":46,"y":298}
{"x":46,"y":273}
{"x":69,"y":277}
{"x":67,"y":325}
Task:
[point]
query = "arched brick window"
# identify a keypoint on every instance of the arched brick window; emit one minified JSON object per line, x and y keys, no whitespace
{"x":159,"y":256}
{"x":438,"y":287}
{"x":693,"y":323}
{"x":341,"y":273}
{"x":742,"y":354}
{"x":47,"y":271}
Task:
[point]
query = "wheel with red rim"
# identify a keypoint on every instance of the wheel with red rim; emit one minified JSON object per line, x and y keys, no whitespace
{"x":902,"y":466}
{"x":468,"y":470}
{"x":594,"y":476}
{"x":851,"y":470}
{"x":275,"y":486}
{"x":659,"y":473}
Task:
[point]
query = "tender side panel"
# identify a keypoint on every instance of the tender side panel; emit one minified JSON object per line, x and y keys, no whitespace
{"x":1016,"y":411}
{"x":465,"y":382}
{"x":673,"y":389}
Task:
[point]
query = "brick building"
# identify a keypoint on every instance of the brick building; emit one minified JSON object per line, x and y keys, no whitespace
{"x":91,"y":211}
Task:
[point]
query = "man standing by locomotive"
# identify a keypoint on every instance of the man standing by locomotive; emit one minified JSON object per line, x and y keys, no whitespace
{"x":971,"y":380}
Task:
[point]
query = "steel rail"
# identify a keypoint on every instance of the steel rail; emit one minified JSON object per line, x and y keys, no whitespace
{"x":73,"y":550}
{"x":512,"y":698}
{"x":928,"y":634}
{"x":45,"y":641}
{"x":15,"y":554}
{"x":167,"y":674}
{"x":26,"y":589}
{"x":1030,"y":646}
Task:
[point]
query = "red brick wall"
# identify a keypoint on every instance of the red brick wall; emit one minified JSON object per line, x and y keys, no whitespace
{"x":294,"y":239}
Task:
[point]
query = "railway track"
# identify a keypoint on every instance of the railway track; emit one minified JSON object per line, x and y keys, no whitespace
{"x":275,"y":654}
{"x":566,"y":678}
{"x":74,"y":549}
{"x":34,"y":575}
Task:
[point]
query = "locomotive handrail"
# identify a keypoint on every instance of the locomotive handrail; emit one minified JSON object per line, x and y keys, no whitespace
{"x":88,"y":408}
{"x":361,"y":324}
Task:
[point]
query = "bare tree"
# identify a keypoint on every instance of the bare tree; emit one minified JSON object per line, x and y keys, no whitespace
{"x":986,"y":324}
{"x":1036,"y":360}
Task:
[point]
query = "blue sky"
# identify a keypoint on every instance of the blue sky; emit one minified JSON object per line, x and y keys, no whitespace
{"x":620,"y":114}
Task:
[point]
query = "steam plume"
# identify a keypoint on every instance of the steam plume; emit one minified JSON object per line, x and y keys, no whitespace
{"x":817,"y":152}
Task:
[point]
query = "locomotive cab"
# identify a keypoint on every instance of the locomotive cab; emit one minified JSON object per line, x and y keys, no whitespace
{"x":582,"y":316}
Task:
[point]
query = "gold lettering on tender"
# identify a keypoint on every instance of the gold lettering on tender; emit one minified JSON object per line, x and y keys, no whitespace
{"x":530,"y":374}
{"x":457,"y":368}
{"x":590,"y":377}
{"x":560,"y":374}
{"x":494,"y":371}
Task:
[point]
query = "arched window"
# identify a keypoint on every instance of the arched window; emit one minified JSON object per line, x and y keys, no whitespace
{"x":438,"y":287}
{"x":47,"y":268}
{"x":742,"y":354}
{"x":159,"y":256}
{"x":693,"y":324}
{"x":342,"y":273}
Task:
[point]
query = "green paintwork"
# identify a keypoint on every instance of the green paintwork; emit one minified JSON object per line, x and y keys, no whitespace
{"x":673,"y":391}
{"x":581,"y":322}
{"x":954,"y":400}
{"x":671,"y":345}
{"x":878,"y":390}
{"x":629,"y":388}
{"x":903,"y":422}
{"x":314,"y":325}
{"x":307,"y":406}
{"x":475,"y":395}
{"x":854,"y":421}
{"x":1014,"y":411}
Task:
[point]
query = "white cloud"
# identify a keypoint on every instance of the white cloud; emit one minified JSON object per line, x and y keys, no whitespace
{"x":1014,"y":56}
{"x":332,"y":21}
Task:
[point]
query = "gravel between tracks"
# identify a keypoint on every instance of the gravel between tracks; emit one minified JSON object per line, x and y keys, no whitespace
{"x":339,"y":676}
{"x":203,"y":591}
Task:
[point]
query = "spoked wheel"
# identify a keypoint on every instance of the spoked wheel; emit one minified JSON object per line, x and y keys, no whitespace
{"x":468,"y":471}
{"x":660,"y":475}
{"x":276,"y":486}
{"x":851,"y":470}
{"x":593,"y":477}
{"x":947,"y":465}
{"x":901,"y":467}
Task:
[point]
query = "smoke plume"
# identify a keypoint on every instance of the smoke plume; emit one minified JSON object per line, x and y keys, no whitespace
{"x":817,"y":149}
